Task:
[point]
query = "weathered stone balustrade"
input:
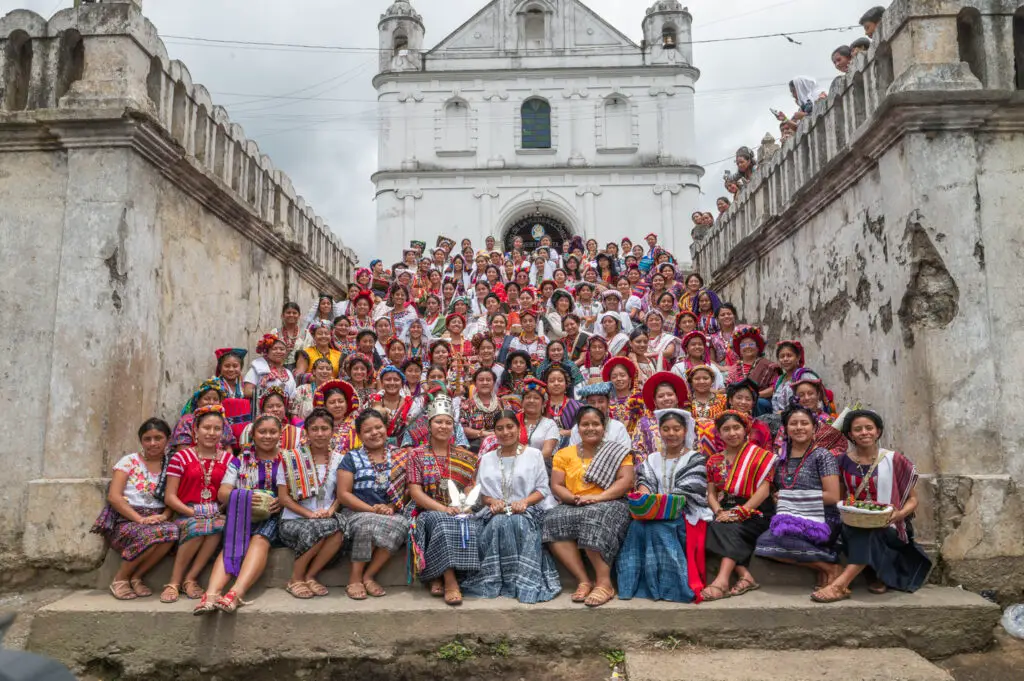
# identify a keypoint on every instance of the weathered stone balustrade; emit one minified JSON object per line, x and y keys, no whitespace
{"x":932,"y":56}
{"x":110,"y":59}
{"x":886,"y":236}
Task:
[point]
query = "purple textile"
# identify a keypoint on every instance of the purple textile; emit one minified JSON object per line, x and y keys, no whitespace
{"x":237,"y":530}
{"x":784,"y":525}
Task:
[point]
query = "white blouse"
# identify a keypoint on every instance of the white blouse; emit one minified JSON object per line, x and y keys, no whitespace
{"x":546,"y":430}
{"x":140,"y":487}
{"x":526,"y":473}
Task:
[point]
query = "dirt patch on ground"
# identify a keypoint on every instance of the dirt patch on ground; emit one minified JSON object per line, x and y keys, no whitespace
{"x":1005,"y":662}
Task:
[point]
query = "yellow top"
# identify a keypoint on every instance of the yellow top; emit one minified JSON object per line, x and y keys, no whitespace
{"x":569,"y":462}
{"x":333,"y":356}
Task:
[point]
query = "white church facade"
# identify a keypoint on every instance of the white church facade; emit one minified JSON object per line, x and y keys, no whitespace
{"x":536,"y":117}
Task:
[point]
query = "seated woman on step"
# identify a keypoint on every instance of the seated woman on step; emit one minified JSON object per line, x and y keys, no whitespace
{"x":193,"y":479}
{"x":888,"y":555}
{"x":806,"y":523}
{"x":444,"y":532}
{"x":739,"y":494}
{"x":372,"y":488}
{"x":516,"y":494}
{"x":248,"y":492}
{"x":310,"y":523}
{"x":663,"y":559}
{"x":135,"y":520}
{"x":590,"y":479}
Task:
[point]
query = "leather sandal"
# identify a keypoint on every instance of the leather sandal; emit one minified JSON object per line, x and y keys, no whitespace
{"x":831,"y":594}
{"x":356,"y":591}
{"x":708,"y":593}
{"x":437,"y":589}
{"x":599,"y":596}
{"x":317,"y":588}
{"x":205,"y":605}
{"x":192,"y":589}
{"x":140,"y":588}
{"x":743,"y":586}
{"x":170,"y":593}
{"x":122,"y":590}
{"x":374,"y":589}
{"x":453,"y":596}
{"x":582,"y":591}
{"x":229,"y":602}
{"x":299,"y":590}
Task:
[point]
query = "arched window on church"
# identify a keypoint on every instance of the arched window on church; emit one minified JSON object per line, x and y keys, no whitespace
{"x":618,"y":124}
{"x":536,"y":124}
{"x":535,"y":29}
{"x":401,"y":43}
{"x":456,"y":125}
{"x":669,"y":37}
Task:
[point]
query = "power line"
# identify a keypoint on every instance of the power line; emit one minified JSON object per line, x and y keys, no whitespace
{"x":251,"y":44}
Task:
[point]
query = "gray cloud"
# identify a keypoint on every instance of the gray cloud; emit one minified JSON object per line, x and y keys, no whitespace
{"x":329,"y":147}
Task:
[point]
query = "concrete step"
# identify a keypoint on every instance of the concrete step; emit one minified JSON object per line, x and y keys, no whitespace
{"x":280,"y":562}
{"x":89,"y":627}
{"x":782,"y":665}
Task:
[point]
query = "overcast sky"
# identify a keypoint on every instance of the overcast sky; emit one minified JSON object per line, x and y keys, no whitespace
{"x":329,"y":147}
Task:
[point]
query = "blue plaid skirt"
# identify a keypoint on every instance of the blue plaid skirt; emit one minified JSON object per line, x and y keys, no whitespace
{"x":652,"y":562}
{"x":513,"y":560}
{"x":448,"y":543}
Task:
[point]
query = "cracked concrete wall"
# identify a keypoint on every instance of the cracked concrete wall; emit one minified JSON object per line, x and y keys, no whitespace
{"x":118,"y":287}
{"x":906,"y":290}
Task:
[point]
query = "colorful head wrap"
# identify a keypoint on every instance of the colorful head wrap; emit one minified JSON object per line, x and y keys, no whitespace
{"x":391,"y":369}
{"x":625,"y":362}
{"x":746,"y":419}
{"x":661,"y":378}
{"x":595,"y":390}
{"x":351,"y":400}
{"x":267,"y":342}
{"x":679,"y":318}
{"x":535,"y":385}
{"x":204,"y":387}
{"x":272,"y":391}
{"x":745,"y":332}
{"x":238,"y":352}
{"x":203,"y":411}
{"x":699,"y":367}
{"x":796,"y":345}
{"x":455,"y":315}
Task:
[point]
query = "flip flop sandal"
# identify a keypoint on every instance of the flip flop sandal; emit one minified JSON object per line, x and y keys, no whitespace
{"x":299,"y":590}
{"x":599,"y":597}
{"x":317,"y":588}
{"x":122,"y":590}
{"x":172,"y":597}
{"x":205,"y":605}
{"x":708,"y":596}
{"x":582,"y":591}
{"x":374,"y":589}
{"x":747,"y":587}
{"x":192,"y":589}
{"x":140,"y":588}
{"x":357,"y":592}
{"x":835,"y":596}
{"x":453,"y":597}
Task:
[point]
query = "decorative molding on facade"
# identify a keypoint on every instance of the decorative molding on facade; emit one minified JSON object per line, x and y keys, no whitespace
{"x":579,"y":92}
{"x":660,"y":189}
{"x":481,"y":192}
{"x":414,"y":95}
{"x":519,"y":128}
{"x":496,"y":94}
{"x":585,"y":189}
{"x":601,"y":125}
{"x":409,"y":193}
{"x":441,"y":147}
{"x":667,"y":90}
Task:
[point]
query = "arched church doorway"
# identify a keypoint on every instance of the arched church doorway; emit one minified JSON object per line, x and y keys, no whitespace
{"x":534,"y":227}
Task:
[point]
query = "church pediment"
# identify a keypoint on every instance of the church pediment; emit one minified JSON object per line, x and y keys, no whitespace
{"x":534,"y":25}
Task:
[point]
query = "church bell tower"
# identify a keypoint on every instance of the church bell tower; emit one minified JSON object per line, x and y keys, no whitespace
{"x":667,"y":33}
{"x":401,"y":38}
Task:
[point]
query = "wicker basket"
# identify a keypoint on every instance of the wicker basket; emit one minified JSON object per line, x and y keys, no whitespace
{"x":864,"y":519}
{"x":261,"y":507}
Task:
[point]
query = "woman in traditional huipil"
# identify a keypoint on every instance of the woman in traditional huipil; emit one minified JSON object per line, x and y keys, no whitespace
{"x":194,"y":475}
{"x":444,"y":533}
{"x":664,"y":559}
{"x":515,"y":493}
{"x":135,"y":520}
{"x":562,"y":406}
{"x":705,"y":405}
{"x":663,"y":390}
{"x":269,"y":370}
{"x":310,"y":523}
{"x":888,"y":555}
{"x":372,"y":488}
{"x":320,"y":349}
{"x":625,"y":404}
{"x":230,"y":362}
{"x":247,"y":538}
{"x":590,"y":479}
{"x":748,"y":344}
{"x":739,"y":494}
{"x":392,"y":402}
{"x":209,"y":393}
{"x":275,"y":403}
{"x":481,"y":410}
{"x":340,"y":400}
{"x":321,"y":371}
{"x":806,"y":524}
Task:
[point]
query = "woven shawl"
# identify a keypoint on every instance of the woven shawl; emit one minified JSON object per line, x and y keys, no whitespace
{"x":752,"y":467}
{"x":605,"y":464}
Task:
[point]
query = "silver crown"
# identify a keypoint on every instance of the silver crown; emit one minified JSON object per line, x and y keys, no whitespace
{"x":442,"y":405}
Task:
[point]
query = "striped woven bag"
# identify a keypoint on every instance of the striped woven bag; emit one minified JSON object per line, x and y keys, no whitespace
{"x":655,"y":506}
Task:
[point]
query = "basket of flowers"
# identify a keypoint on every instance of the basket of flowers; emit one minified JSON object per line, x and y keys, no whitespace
{"x":867,"y":515}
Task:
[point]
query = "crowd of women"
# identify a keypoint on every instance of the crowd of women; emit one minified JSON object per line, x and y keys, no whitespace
{"x":488,"y":416}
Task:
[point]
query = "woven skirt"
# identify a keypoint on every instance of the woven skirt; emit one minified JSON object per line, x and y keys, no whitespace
{"x":447,"y":543}
{"x":899,"y":565}
{"x":302,"y":534}
{"x":207,"y":520}
{"x":131,"y":539}
{"x":515,"y":564}
{"x":598,"y":527}
{"x":369,"y":531}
